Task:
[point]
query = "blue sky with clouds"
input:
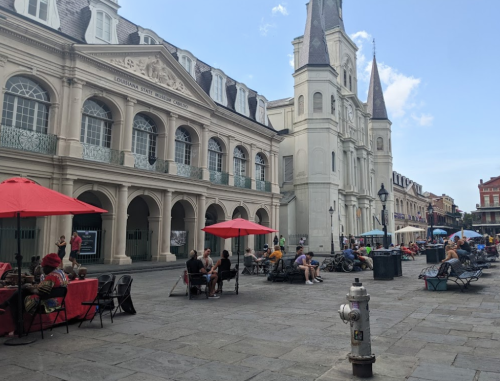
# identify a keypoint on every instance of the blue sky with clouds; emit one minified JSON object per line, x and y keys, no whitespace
{"x":437,"y":61}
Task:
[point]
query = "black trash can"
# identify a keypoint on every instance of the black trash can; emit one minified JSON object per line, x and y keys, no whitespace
{"x":432,"y":254}
{"x":397,"y":261}
{"x":441,"y":253}
{"x":383,"y":265}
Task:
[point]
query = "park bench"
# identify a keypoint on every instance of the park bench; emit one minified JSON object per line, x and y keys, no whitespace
{"x":292,"y":273}
{"x":450,"y":270}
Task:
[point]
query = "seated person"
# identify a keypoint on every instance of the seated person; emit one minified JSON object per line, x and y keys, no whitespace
{"x":52,"y":277}
{"x":35,"y":261}
{"x":348,"y":253}
{"x":406,"y":251}
{"x":249,"y":253}
{"x":299,"y":250}
{"x":207,"y":261}
{"x":276,"y":255}
{"x":195,"y":266}
{"x":363,"y":256}
{"x":368,"y":249}
{"x":450,"y":253}
{"x":223,"y":267}
{"x":463,"y":247}
{"x":311,"y":272}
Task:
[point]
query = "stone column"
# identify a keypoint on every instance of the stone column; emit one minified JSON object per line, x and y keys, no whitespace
{"x":128,"y":157}
{"x":66,"y":221}
{"x":74,"y":147}
{"x":251,"y":163}
{"x":120,"y":258}
{"x":204,"y":152}
{"x":172,"y":167}
{"x":155,"y":230}
{"x":201,"y":222}
{"x":165,"y":255}
{"x":230,"y":164}
{"x":349,"y":170}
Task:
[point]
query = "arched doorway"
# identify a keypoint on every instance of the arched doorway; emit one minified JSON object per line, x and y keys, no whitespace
{"x":262,"y":218}
{"x":182,"y":238}
{"x":142,"y":229}
{"x":95,"y":227}
{"x":214,"y":215}
{"x":239,"y":212}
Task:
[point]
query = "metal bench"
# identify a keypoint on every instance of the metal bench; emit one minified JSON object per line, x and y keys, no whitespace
{"x":451,"y":270}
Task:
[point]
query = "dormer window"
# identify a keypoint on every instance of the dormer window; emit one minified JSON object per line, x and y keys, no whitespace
{"x":261,"y":112}
{"x":103,"y":26}
{"x":188,"y":61}
{"x":148,"y":40}
{"x":241,"y":104}
{"x":218,"y":88}
{"x":38,"y":8}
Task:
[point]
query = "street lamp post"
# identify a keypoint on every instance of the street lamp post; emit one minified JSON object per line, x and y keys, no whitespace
{"x":430,"y":209}
{"x":331,"y":210}
{"x":382,"y":194}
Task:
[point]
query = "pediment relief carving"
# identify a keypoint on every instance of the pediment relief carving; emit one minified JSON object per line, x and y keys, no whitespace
{"x":154,"y":69}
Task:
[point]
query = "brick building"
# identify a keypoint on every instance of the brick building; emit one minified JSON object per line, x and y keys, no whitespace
{"x":446,"y":213}
{"x":487,"y":215}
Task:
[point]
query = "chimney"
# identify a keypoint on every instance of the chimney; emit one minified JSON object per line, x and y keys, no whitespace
{"x":481,"y":181}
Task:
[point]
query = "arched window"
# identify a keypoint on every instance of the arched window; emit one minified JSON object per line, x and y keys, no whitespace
{"x":317,"y":102}
{"x":333,"y":105}
{"x":187,"y":63}
{"x":96,"y":124}
{"x":333,"y":161}
{"x":103,"y":26}
{"x":239,"y":161}
{"x":260,"y":168}
{"x":218,"y":88}
{"x":144,"y":136}
{"x":350,"y":82}
{"x":261,"y":114}
{"x":301,"y":105}
{"x":25,"y":105}
{"x":182,"y":146}
{"x":148,"y":40}
{"x":214,"y":156}
{"x":380,"y":144}
{"x":242,"y":94}
{"x":38,"y":8}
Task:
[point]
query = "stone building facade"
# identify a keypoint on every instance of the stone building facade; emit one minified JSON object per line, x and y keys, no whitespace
{"x":108,"y":112}
{"x":337,"y":148}
{"x":487,"y":213}
{"x":446,"y":214}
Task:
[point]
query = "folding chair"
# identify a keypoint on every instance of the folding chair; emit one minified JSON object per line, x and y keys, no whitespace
{"x":102,"y":301}
{"x":102,"y":279}
{"x":227,"y":275}
{"x":122,"y":294}
{"x":197,"y":280}
{"x":58,"y":292}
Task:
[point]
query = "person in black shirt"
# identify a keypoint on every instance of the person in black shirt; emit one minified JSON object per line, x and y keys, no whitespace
{"x":194,"y":266}
{"x":223,"y":267}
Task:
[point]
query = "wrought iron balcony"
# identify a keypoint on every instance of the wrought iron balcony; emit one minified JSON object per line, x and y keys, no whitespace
{"x":142,"y":162}
{"x":399,"y":216}
{"x":263,"y":186}
{"x":242,"y":182}
{"x":102,"y":154}
{"x":189,"y":171}
{"x":221,"y":178}
{"x":26,"y":140}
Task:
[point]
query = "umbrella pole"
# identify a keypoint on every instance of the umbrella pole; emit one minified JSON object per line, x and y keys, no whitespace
{"x":20,"y":340}
{"x":238,"y":279}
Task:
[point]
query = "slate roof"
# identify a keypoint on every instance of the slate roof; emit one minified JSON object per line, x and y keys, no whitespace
{"x":314,"y":50}
{"x":280,"y":102}
{"x":376,"y":102}
{"x":75,"y":17}
{"x":331,"y":12}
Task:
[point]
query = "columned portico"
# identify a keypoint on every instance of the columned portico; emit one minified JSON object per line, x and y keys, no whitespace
{"x":165,"y":255}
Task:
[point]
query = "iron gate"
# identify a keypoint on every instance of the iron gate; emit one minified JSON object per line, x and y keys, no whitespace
{"x":86,"y":259}
{"x":139,"y":245}
{"x":8,"y":245}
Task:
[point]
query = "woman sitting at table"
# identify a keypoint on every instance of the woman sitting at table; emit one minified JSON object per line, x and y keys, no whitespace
{"x":223,"y":267}
{"x":52,"y":277}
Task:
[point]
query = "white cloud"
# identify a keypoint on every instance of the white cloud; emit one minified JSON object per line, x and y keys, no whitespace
{"x":424,"y":120}
{"x":265,"y":27}
{"x":280,"y":9}
{"x":291,"y":60}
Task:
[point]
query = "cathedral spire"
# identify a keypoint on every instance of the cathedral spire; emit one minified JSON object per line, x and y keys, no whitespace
{"x":332,"y":9}
{"x":314,"y":50}
{"x":376,"y":102}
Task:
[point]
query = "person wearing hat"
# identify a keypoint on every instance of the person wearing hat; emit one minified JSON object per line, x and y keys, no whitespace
{"x":52,"y":277}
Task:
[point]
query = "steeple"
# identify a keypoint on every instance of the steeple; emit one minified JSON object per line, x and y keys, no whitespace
{"x":332,"y":10}
{"x":314,"y":50}
{"x":376,"y":102}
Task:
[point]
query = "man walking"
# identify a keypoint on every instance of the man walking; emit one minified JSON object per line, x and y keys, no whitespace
{"x":76,"y":246}
{"x":282,"y":244}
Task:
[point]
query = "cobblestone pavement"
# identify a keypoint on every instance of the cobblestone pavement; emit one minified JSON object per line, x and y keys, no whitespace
{"x":276,"y":332}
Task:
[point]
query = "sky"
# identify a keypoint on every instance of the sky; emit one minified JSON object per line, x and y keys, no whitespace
{"x":437,"y":61}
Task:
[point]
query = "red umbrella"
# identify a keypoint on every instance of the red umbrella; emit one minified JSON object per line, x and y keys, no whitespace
{"x":22,"y":197}
{"x":237,"y":228}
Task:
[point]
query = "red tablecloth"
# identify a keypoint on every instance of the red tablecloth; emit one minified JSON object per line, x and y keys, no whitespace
{"x":4,"y":267}
{"x":78,"y":292}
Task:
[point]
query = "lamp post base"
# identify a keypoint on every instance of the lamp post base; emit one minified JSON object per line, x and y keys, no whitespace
{"x":16,"y":341}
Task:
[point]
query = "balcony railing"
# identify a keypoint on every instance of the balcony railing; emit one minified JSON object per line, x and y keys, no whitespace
{"x":242,"y":182}
{"x":263,"y":186}
{"x":142,"y":162}
{"x":221,"y":178}
{"x":102,"y":154}
{"x":189,"y":171}
{"x":399,"y":216}
{"x":26,"y":140}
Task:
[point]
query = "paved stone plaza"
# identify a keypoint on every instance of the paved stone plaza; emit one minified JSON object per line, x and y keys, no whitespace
{"x":276,"y":332}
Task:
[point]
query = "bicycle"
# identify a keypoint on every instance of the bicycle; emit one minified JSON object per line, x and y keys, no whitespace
{"x":335,"y":261}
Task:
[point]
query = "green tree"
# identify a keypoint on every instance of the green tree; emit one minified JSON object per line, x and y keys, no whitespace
{"x":467,"y":221}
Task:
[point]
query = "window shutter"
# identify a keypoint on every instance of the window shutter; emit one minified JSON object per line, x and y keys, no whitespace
{"x":288,"y":165}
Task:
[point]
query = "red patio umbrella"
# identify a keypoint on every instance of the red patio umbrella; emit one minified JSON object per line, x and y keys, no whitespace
{"x":237,"y":228}
{"x":20,"y":197}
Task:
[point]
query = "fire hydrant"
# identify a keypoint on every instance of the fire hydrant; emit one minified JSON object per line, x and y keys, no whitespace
{"x":357,"y":313}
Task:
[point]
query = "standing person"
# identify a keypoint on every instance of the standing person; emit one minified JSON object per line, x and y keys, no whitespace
{"x":282,"y":244}
{"x":276,"y":240}
{"x":353,"y":241}
{"x":61,"y":252}
{"x":76,"y":246}
{"x":301,"y":241}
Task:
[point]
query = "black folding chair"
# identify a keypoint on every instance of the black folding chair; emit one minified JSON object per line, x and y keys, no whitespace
{"x":102,"y":279}
{"x":57,"y":292}
{"x":121,"y":293}
{"x":196,"y":281}
{"x":103,"y":301}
